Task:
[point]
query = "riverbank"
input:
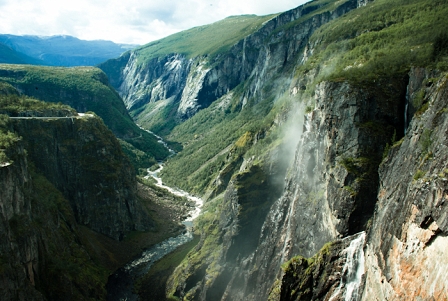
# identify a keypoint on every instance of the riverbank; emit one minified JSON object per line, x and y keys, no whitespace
{"x":153,"y":285}
{"x":166,"y":210}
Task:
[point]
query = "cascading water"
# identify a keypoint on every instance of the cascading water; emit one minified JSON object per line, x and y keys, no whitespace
{"x":352,"y":271}
{"x":406,"y":110}
{"x":121,"y":283}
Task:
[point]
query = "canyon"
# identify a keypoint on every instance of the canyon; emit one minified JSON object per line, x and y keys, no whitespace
{"x":316,"y":138}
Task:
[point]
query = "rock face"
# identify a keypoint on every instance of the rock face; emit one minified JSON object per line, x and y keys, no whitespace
{"x":185,"y":86}
{"x":334,"y":273}
{"x":41,"y":250}
{"x":65,"y":172}
{"x":18,"y":254}
{"x":340,"y":185}
{"x":406,"y":249}
{"x":405,"y":253}
{"x":82,"y":159}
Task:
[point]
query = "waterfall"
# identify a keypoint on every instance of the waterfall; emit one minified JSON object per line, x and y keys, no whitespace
{"x":287,"y":242}
{"x":352,"y":271}
{"x":406,"y":110}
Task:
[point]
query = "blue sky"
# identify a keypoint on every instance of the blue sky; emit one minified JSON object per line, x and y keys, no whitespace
{"x":129,"y":21}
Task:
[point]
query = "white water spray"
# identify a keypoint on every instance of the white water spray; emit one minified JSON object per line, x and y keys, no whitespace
{"x":352,"y":271}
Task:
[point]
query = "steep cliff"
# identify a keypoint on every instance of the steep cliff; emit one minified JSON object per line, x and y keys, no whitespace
{"x":291,"y":135}
{"x":404,"y":255}
{"x":83,"y":160}
{"x":406,"y":247}
{"x":176,"y":86}
{"x":42,"y":254}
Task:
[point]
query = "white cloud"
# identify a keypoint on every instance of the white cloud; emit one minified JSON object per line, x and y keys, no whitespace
{"x":132,"y":21}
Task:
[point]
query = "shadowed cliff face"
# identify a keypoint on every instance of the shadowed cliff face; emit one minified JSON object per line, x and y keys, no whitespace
{"x":82,"y":159}
{"x":14,"y":187}
{"x":331,"y":189}
{"x":41,"y":251}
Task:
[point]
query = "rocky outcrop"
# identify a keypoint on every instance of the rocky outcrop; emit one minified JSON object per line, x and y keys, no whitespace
{"x":159,"y":79}
{"x":334,"y":273}
{"x":61,"y":173}
{"x":331,"y":189}
{"x":82,"y":159}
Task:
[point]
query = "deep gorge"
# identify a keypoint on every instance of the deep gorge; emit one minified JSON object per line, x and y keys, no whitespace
{"x":317,"y":142}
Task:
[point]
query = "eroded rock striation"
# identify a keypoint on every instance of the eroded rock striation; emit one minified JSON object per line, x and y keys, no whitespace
{"x":186,"y":85}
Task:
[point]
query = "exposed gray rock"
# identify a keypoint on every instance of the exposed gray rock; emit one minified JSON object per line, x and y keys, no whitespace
{"x":188,"y":85}
{"x":406,"y":249}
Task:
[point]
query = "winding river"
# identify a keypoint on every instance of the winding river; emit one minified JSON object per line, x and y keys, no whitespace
{"x":120,"y":284}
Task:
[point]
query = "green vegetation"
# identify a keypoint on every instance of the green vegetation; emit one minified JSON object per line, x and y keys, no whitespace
{"x":210,"y":140}
{"x":84,"y":89}
{"x":360,"y":167}
{"x":7,"y":140}
{"x":425,"y":141}
{"x":13,"y":105}
{"x":419,"y":174}
{"x":139,"y":159}
{"x":302,"y":275}
{"x":63,"y":263}
{"x":202,"y":40}
{"x":381,"y":40}
{"x":206,"y":254}
{"x":311,"y":9}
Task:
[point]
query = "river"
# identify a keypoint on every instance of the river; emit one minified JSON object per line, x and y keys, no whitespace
{"x":121,"y":284}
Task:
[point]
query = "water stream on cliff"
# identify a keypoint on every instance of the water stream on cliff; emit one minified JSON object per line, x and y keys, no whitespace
{"x":352,"y":271}
{"x":406,"y":110}
{"x":120,"y":285}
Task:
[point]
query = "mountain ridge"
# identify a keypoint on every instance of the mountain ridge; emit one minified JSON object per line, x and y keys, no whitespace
{"x":60,"y":50}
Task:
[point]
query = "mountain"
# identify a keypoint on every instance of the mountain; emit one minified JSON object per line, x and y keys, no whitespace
{"x":86,"y":89}
{"x":317,"y":139}
{"x":10,"y":56}
{"x":58,"y":50}
{"x":71,"y":207}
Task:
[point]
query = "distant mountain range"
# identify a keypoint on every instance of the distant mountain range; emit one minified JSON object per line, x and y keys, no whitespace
{"x":59,"y":50}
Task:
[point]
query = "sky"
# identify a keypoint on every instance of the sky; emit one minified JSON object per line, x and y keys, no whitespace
{"x":124,"y":21}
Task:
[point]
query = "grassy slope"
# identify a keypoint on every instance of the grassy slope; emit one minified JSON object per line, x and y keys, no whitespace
{"x":85,"y":89}
{"x":203,"y":40}
{"x":381,"y":40}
